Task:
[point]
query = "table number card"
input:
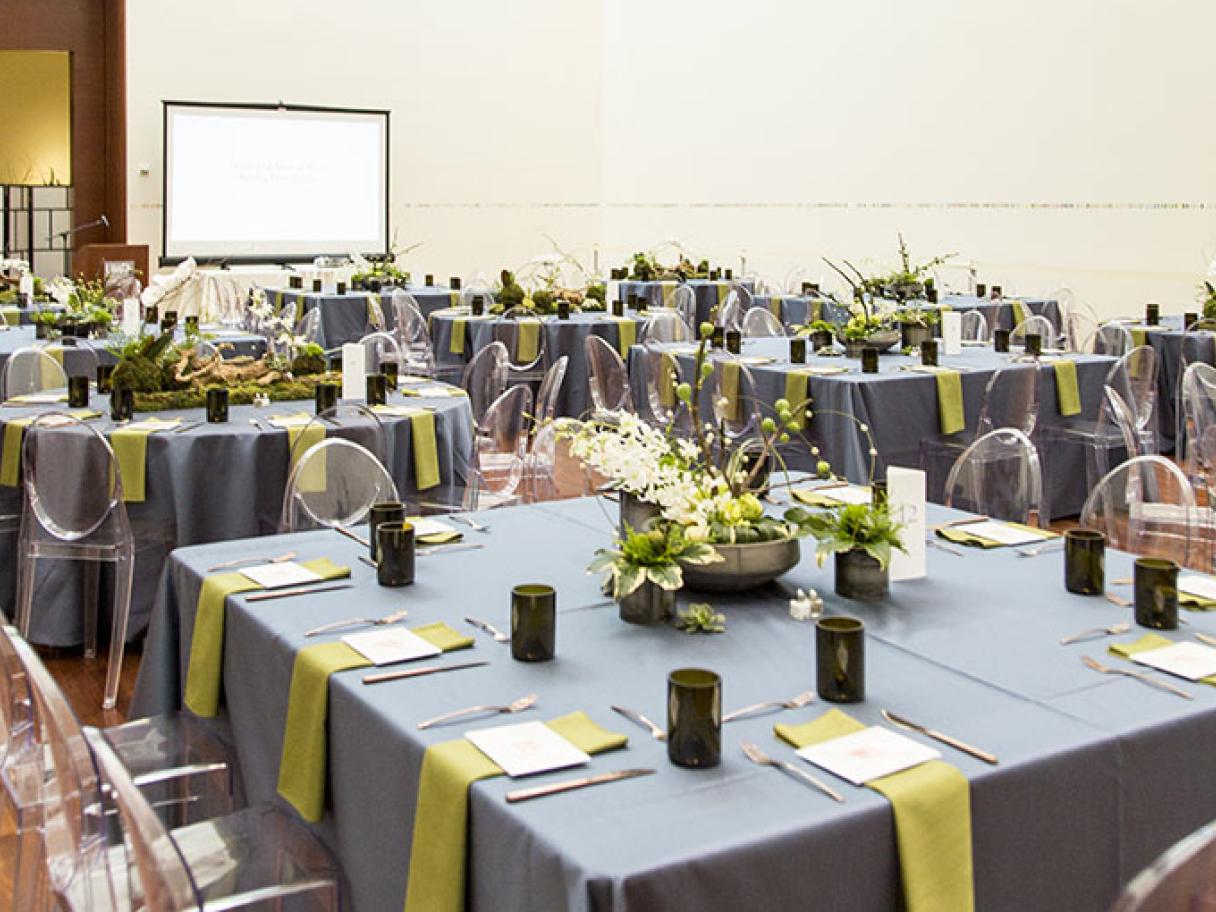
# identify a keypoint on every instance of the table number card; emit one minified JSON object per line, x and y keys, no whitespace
{"x":906,"y":495}
{"x":354,"y":371}
{"x":952,"y":332}
{"x":25,"y":285}
{"x":132,"y":317}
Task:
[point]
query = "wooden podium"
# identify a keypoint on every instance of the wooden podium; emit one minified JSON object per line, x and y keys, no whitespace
{"x":95,"y":261}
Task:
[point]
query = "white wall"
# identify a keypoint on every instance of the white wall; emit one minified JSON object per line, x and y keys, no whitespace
{"x":1050,"y":143}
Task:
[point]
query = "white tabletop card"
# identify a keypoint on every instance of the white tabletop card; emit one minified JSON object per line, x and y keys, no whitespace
{"x":275,"y":576}
{"x":1187,"y":660}
{"x":1001,"y":533}
{"x":290,"y":421}
{"x":526,"y":748}
{"x":952,"y":332}
{"x":435,"y":389}
{"x":132,"y":317}
{"x":354,"y":371}
{"x":426,"y":526}
{"x":1202,"y":586}
{"x":868,"y":754}
{"x":389,"y":645}
{"x":906,"y":497}
{"x":845,"y":494}
{"x":40,"y":398}
{"x":398,"y":411}
{"x":25,"y":285}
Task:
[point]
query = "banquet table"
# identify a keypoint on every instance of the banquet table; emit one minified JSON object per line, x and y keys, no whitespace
{"x":216,"y":482}
{"x":23,"y":315}
{"x":708,"y":294}
{"x":561,"y":337}
{"x":801,"y":310}
{"x":1097,"y":774}
{"x":900,"y":408}
{"x":1175,"y":348}
{"x":1002,"y":314}
{"x":344,"y":318}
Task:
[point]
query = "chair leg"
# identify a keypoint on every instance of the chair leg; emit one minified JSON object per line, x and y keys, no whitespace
{"x":27,"y":565}
{"x":90,"y":587}
{"x":124,"y":573}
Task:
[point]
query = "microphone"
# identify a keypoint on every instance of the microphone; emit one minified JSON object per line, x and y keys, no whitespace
{"x":102,"y":222}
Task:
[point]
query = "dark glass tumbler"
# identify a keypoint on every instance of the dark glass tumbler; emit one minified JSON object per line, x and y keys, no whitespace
{"x":384,"y":512}
{"x":533,"y":623}
{"x":326,"y":396}
{"x":217,"y":405}
{"x":78,"y":391}
{"x":1085,"y":562}
{"x":694,"y":718}
{"x":395,"y":545}
{"x":1156,"y":584}
{"x":840,"y":659}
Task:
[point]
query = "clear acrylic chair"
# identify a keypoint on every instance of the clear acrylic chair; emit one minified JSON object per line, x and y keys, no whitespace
{"x":684,"y":302}
{"x":334,"y":483}
{"x":1112,"y":339}
{"x":974,"y":326}
{"x":1182,"y":877}
{"x":738,"y":415}
{"x":731,"y":311}
{"x":500,"y":451}
{"x":507,"y":330}
{"x":381,"y":348}
{"x":308,"y":327}
{"x":541,"y":464}
{"x":1036,"y":325}
{"x":21,"y":767}
{"x":410,"y":331}
{"x":32,"y":369}
{"x":74,"y":511}
{"x":759,"y":323}
{"x":998,"y":476}
{"x":551,"y":390}
{"x":665,"y":326}
{"x":1145,"y":506}
{"x":1196,"y":413}
{"x":485,"y":377}
{"x":607,"y":377}
{"x":661,"y":407}
{"x":351,"y":421}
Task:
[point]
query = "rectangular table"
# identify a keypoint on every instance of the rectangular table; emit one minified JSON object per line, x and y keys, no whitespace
{"x":1097,"y":774}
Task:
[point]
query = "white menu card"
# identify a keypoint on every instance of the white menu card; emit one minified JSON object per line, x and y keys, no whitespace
{"x":952,"y":332}
{"x":526,"y":748}
{"x":1187,"y":660}
{"x":354,"y":371}
{"x":285,"y":573}
{"x":906,"y":497}
{"x":871,"y":753}
{"x":389,"y":645}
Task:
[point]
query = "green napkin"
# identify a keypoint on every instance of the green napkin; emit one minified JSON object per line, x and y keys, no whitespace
{"x":50,"y":377}
{"x":435,"y":538}
{"x":456,"y":344}
{"x":455,"y":296}
{"x":932,"y":807}
{"x":12,"y":316}
{"x":426,"y":450}
{"x":816,"y":309}
{"x":1195,"y":602}
{"x":774,"y":305}
{"x":728,"y":387}
{"x":950,"y":402}
{"x":723,"y":292}
{"x":1019,"y":312}
{"x":1145,"y":643}
{"x":1139,"y":336}
{"x":441,"y":817}
{"x":796,"y":387}
{"x":205,"y":669}
{"x":1068,"y":393}
{"x":527,"y":341}
{"x":304,"y":759}
{"x":130,"y":446}
{"x":960,"y":536}
{"x":10,"y":457}
{"x":668,"y":290}
{"x":669,"y":372}
{"x":814,"y":498}
{"x":628,"y":335}
{"x":375,"y":313}
{"x":313,"y":479}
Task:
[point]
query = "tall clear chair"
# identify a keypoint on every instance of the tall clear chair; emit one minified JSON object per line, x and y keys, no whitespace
{"x":525,"y":367}
{"x":1112,"y":339}
{"x":1145,"y":506}
{"x":500,"y":451}
{"x":485,"y":377}
{"x":684,"y":302}
{"x":759,"y":323}
{"x":1196,"y":413}
{"x":1182,"y":877}
{"x":607,"y":378}
{"x":351,"y":421}
{"x":541,"y":464}
{"x":30,"y":370}
{"x":381,"y":348}
{"x":998,"y":476}
{"x":410,"y":331}
{"x":731,"y":311}
{"x":974,"y":326}
{"x":661,"y":407}
{"x":74,"y":511}
{"x":334,"y":483}
{"x":1036,"y":325}
{"x":551,"y":390}
{"x":737,"y":411}
{"x":665,"y":326}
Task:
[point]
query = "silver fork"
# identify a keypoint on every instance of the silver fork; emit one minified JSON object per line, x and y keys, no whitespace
{"x":473,"y":524}
{"x":357,"y":622}
{"x":797,"y":702}
{"x":638,"y":719}
{"x":1138,"y":675}
{"x":517,"y":706}
{"x":1094,"y":632}
{"x":760,"y":758}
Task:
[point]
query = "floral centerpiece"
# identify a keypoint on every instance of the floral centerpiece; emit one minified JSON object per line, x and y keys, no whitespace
{"x":644,"y":571}
{"x":548,"y":280}
{"x":380,"y":271}
{"x":862,"y":537}
{"x":1207,"y":297}
{"x":86,"y":308}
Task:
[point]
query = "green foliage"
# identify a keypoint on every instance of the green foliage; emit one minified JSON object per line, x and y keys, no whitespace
{"x":308,"y":362}
{"x":8,"y":298}
{"x":700,"y":617}
{"x":596,"y":292}
{"x":1207,"y":296}
{"x":855,"y":526}
{"x":651,"y":555}
{"x":918,"y":316}
{"x":238,"y":394}
{"x":861,"y":326}
{"x":386,"y":272}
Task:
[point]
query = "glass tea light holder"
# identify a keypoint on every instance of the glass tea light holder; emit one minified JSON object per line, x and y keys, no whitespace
{"x":928,"y":353}
{"x":997,"y":292}
{"x":1152,"y":314}
{"x":104,"y":373}
{"x":840,"y":659}
{"x":1000,"y":340}
{"x":869,"y":360}
{"x":385,"y":511}
{"x":618,"y":309}
{"x":477,"y":304}
{"x":295,"y":281}
{"x":1189,"y":320}
{"x":150,"y":314}
{"x":341,"y":288}
{"x":122,"y":403}
{"x":78,"y":391}
{"x":718,"y":339}
{"x":454,"y":283}
{"x":392,"y":374}
{"x":728,"y":274}
{"x":325,"y":396}
{"x":429,"y":280}
{"x":316,"y":286}
{"x":1033,"y":344}
{"x":377,"y":389}
{"x":798,"y":350}
{"x":217,"y":405}
{"x":734,"y":341}
{"x":533,"y":622}
{"x":563,"y":309}
{"x":394,"y":553}
{"x":1156,"y":593}
{"x":1085,"y":561}
{"x":981,"y":290}
{"x":192,"y":325}
{"x":694,"y":718}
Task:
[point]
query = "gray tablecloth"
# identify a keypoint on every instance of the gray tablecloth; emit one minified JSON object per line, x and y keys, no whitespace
{"x":999,"y":314}
{"x":561,"y":337}
{"x":344,"y":317}
{"x":900,"y":408}
{"x":708,"y":294}
{"x":799,"y":310}
{"x":1097,"y":774}
{"x":18,"y":315}
{"x":1173,"y":347}
{"x":214,"y":483}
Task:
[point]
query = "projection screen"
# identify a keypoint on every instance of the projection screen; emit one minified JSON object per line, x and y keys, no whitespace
{"x":266,"y":183}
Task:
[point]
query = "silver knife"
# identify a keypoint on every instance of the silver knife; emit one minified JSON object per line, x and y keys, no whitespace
{"x":570,"y":785}
{"x":287,"y":593}
{"x":938,"y":736}
{"x":189,"y":427}
{"x":418,"y":672}
{"x":453,"y":546}
{"x":1204,"y":638}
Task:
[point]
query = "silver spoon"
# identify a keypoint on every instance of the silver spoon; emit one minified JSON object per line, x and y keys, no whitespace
{"x":281,"y":559}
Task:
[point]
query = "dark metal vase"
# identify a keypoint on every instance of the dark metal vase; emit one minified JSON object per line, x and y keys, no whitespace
{"x":860,"y":576}
{"x":636,"y":513}
{"x":913,"y":334}
{"x":648,"y":604}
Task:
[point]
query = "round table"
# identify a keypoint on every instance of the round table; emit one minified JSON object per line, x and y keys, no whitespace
{"x":344,"y":317}
{"x":708,"y":294}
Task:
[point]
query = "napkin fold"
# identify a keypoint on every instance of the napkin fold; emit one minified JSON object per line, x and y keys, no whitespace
{"x":932,"y":808}
{"x":10,"y":456}
{"x":960,"y":536}
{"x":130,"y":445}
{"x":426,"y":450}
{"x":1068,"y":393}
{"x":204,"y":673}
{"x":814,"y":498}
{"x":728,"y":389}
{"x":1195,"y":602}
{"x":796,"y":387}
{"x":669,"y":372}
{"x":441,"y":817}
{"x":445,"y":537}
{"x":775,"y":303}
{"x":527,"y":340}
{"x":12,"y":316}
{"x":1019,"y":312}
{"x":456,"y":343}
{"x":627,"y":335}
{"x":1139,"y":336}
{"x":668,"y":290}
{"x":951,"y":413}
{"x":303,"y":763}
{"x":1144,"y":644}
